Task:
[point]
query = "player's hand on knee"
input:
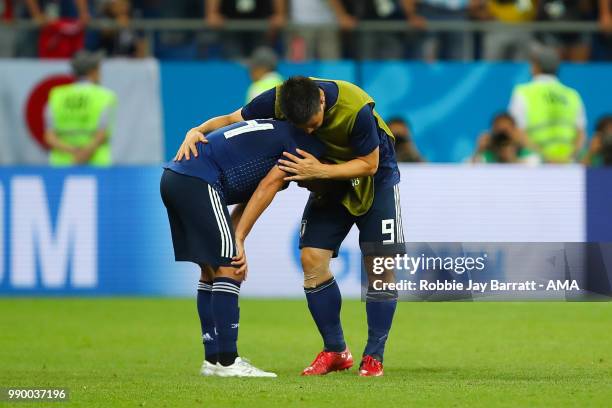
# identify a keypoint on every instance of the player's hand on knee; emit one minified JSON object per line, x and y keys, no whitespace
{"x":189,"y":146}
{"x":239,"y":261}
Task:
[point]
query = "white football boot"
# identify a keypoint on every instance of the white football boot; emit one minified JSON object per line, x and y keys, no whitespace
{"x":241,"y":368}
{"x":208,"y":369}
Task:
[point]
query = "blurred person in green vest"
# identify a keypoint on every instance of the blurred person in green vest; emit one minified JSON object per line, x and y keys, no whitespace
{"x":79,"y":116}
{"x":503,"y":144}
{"x":600,"y":149}
{"x":262,"y":69}
{"x":551,"y":114}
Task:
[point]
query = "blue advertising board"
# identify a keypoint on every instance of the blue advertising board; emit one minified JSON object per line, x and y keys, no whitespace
{"x":88,"y":232}
{"x":98,"y":232}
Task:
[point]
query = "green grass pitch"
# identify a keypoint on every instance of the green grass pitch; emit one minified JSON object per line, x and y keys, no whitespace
{"x":147,"y":352}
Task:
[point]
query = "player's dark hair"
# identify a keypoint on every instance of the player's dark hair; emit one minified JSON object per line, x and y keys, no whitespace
{"x":299,"y":99}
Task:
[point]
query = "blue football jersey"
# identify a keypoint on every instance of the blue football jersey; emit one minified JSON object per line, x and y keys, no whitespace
{"x":238,"y":156}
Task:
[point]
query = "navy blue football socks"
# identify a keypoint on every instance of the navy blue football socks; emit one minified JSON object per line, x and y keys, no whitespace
{"x":225,"y":292}
{"x":325,"y":302}
{"x":380,"y":316}
{"x":207,"y":323}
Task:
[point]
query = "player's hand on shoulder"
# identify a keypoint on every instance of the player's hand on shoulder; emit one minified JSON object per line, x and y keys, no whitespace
{"x":189,"y":145}
{"x":307,"y":167}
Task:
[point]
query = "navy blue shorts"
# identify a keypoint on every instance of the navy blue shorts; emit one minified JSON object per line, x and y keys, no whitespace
{"x":200,"y":223}
{"x":326,"y":222}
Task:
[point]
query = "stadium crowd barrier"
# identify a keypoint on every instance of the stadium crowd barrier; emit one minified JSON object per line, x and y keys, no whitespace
{"x":152,"y":27}
{"x":448,"y":104}
{"x":94,"y":232}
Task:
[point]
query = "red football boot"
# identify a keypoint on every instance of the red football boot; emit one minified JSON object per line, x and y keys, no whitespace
{"x":328,"y":361}
{"x":370,"y":367}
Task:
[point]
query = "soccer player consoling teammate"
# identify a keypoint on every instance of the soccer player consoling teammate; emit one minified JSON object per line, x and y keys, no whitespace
{"x":359,"y":146}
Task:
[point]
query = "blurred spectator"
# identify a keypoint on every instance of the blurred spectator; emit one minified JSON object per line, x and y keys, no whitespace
{"x":508,"y":45}
{"x":603,"y":40}
{"x":370,"y":45}
{"x":502,"y":144}
{"x":7,"y":34}
{"x":308,"y":41}
{"x":551,"y":114}
{"x":175,"y":44}
{"x":605,"y":15}
{"x":240,"y":44}
{"x":48,"y":11}
{"x":62,"y":25}
{"x":600,"y":149}
{"x":79,"y":116}
{"x":405,"y":149}
{"x":262,"y":69}
{"x":571,"y":46}
{"x":442,"y":45}
{"x":122,"y":41}
{"x":61,"y":39}
{"x":6,"y":11}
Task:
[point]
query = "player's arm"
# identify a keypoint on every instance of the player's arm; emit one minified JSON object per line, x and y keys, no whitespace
{"x":309,"y":167}
{"x":237,"y":214}
{"x":196,"y":134}
{"x":259,"y":201}
{"x":364,"y":141}
{"x":262,"y":107}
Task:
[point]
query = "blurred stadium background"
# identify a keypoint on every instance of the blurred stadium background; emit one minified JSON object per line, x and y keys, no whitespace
{"x":172,"y":65}
{"x":439,"y":70}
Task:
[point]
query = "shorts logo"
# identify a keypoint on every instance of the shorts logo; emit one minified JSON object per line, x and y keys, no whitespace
{"x":303,"y":228}
{"x":355,"y":182}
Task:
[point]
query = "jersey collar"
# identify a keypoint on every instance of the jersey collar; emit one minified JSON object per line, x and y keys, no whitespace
{"x":545,"y":78}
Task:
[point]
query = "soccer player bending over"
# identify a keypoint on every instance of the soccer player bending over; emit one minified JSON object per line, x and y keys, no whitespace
{"x":361,"y":148}
{"x":237,"y":160}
